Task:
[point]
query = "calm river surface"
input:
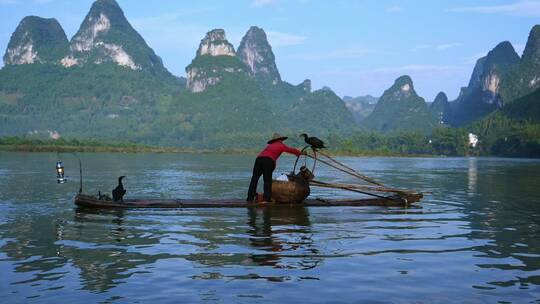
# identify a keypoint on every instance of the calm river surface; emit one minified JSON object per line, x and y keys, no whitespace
{"x":474,"y":239}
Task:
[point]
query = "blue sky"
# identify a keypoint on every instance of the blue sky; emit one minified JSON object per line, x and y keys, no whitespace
{"x":354,"y":47}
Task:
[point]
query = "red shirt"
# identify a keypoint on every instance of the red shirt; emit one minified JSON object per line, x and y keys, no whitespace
{"x":275,"y":149}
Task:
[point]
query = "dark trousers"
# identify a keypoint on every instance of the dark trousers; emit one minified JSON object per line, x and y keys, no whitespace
{"x":263,"y":166}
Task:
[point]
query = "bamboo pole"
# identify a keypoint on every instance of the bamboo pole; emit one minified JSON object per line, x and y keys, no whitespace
{"x":334,"y":186}
{"x":333,"y":163}
{"x":349,"y":171}
{"x":360,"y":187}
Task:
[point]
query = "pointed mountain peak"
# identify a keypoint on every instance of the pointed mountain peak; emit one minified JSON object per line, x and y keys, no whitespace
{"x":502,"y":54}
{"x":107,"y":36}
{"x":532,"y":48}
{"x":400,"y":109}
{"x":441,"y":98}
{"x":106,"y":13}
{"x":497,"y":61}
{"x":256,"y":31}
{"x":440,"y":108}
{"x":106,"y":6}
{"x":525,"y":78}
{"x":257,"y":54}
{"x":215,"y":44}
{"x":403,"y":80}
{"x":482,"y":95}
{"x":504,"y":48}
{"x":402,"y":88}
{"x":215,"y":60}
{"x":103,"y":15}
{"x":403,"y":85}
{"x":36,"y":40}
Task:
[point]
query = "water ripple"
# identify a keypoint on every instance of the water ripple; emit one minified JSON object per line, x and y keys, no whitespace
{"x":472,"y":235}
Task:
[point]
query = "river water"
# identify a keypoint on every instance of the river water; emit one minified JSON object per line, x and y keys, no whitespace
{"x":474,"y":238}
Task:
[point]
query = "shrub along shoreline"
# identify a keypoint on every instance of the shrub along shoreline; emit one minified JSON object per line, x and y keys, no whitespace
{"x":24,"y":144}
{"x":442,"y":142}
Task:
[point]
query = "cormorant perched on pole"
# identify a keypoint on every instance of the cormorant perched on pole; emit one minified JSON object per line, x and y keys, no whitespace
{"x":119,"y":191}
{"x":314,"y":142}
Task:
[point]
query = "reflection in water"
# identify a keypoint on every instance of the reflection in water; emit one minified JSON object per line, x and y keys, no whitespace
{"x":30,"y":249}
{"x":509,"y":222}
{"x":105,"y":248}
{"x":279,"y":237}
{"x":472,"y":176}
{"x":281,"y":230}
{"x":99,"y":247}
{"x":480,"y":230}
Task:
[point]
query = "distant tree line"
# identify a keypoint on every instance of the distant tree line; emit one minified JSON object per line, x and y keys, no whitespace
{"x":523,"y":142}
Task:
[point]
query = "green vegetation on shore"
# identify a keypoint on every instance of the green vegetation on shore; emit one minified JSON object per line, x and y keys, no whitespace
{"x":29,"y":144}
{"x":443,"y":142}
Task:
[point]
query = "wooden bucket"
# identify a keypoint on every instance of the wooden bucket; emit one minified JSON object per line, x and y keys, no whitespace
{"x":289,"y":191}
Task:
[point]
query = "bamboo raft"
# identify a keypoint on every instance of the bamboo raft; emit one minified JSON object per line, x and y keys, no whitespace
{"x":293,"y":192}
{"x":90,"y":201}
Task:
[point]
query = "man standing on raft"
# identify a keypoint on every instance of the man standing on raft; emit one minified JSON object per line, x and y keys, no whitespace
{"x":265,"y":165}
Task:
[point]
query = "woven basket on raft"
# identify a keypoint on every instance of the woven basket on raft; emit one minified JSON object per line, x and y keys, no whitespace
{"x":289,"y":191}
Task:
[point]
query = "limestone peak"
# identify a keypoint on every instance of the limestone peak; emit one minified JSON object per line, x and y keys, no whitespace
{"x":255,"y":51}
{"x":400,"y":109}
{"x":403,"y":86}
{"x":215,"y":60}
{"x":532,"y":48}
{"x":440,"y":98}
{"x":106,"y":35}
{"x":215,"y":44}
{"x":36,"y":40}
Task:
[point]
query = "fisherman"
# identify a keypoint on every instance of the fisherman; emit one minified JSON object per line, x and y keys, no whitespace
{"x":265,"y":165}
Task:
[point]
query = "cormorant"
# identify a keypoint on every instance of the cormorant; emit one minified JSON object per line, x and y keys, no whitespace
{"x":119,"y":191}
{"x":314,"y":142}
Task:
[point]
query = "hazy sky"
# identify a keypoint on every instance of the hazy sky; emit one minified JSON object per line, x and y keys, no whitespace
{"x":354,"y":47}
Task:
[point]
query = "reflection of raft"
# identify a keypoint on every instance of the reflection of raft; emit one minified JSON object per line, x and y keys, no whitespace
{"x":91,"y":201}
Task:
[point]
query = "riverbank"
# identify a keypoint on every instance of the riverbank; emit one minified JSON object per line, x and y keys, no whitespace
{"x":342,"y":148}
{"x":153,"y":149}
{"x":113,"y":148}
{"x":16,"y":144}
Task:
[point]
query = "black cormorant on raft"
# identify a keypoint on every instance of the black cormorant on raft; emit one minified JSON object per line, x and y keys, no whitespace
{"x":313,"y":142}
{"x":119,"y":192}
